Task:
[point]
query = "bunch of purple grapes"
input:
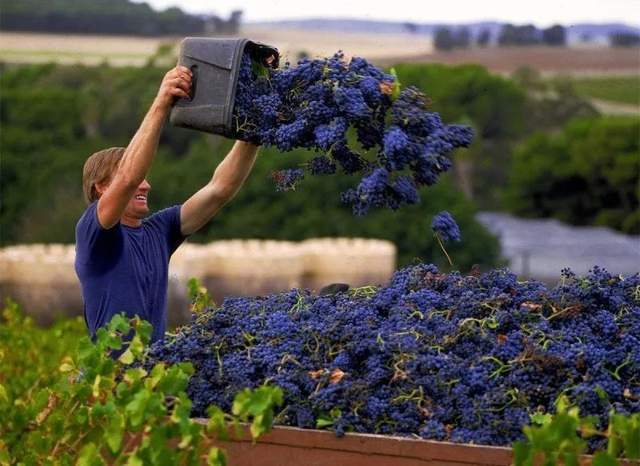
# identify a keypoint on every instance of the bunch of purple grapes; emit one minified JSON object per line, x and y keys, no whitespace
{"x":316,"y":104}
{"x":462,"y":358}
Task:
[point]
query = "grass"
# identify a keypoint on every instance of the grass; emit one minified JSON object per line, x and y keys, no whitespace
{"x":620,"y":89}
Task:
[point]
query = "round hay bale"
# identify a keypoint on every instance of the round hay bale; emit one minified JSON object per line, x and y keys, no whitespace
{"x":42,"y":280}
{"x":355,"y":261}
{"x":252,"y":267}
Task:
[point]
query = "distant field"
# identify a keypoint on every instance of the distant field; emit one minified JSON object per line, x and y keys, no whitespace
{"x":382,"y":49}
{"x":596,"y":61}
{"x":85,"y":49}
{"x":621,"y":89}
{"x":135,"y":51}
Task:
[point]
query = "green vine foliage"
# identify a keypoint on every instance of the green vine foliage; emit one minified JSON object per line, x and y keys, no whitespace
{"x":102,"y":407}
{"x":560,"y":439}
{"x":199,"y":296}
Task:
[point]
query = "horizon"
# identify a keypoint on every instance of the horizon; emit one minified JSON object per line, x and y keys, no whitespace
{"x":445,"y":23}
{"x":543,"y":13}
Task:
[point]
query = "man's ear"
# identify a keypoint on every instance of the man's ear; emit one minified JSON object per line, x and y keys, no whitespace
{"x":101,"y":188}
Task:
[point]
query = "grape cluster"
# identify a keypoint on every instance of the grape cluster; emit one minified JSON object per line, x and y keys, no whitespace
{"x":315,"y":104}
{"x":446,"y":227}
{"x":440,"y":356}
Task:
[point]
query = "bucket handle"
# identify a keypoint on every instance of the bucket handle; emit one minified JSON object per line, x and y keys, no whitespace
{"x":194,"y":81}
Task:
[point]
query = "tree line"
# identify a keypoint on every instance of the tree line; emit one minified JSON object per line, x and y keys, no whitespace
{"x":449,"y":38}
{"x":108,"y":17}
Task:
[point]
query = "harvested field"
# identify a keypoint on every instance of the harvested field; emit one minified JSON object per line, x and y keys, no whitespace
{"x":548,"y":60}
{"x":382,"y":49}
{"x":374,"y":46}
{"x":85,"y":49}
{"x":134,"y":51}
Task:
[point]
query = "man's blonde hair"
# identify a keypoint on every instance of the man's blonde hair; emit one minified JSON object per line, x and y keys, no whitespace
{"x":99,"y":168}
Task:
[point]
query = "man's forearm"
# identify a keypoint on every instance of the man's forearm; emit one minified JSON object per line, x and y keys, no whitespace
{"x":140,"y":152}
{"x":138,"y":156}
{"x":232,"y":172}
{"x":227,"y":179}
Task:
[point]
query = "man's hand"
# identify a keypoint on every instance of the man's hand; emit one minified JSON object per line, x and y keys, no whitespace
{"x":175,"y":84}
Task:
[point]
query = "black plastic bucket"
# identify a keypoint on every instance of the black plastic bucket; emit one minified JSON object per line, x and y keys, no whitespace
{"x":215,"y":64}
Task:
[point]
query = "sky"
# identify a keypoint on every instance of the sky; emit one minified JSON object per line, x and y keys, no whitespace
{"x":540,"y":12}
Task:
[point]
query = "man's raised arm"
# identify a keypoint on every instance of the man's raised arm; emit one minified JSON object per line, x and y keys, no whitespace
{"x":227,"y":180}
{"x":139,"y":154}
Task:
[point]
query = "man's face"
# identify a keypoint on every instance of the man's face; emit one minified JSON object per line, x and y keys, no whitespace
{"x":137,"y":206}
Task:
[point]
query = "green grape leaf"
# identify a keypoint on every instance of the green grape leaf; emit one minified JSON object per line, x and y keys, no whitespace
{"x":216,"y":423}
{"x":134,"y":461}
{"x":261,"y":423}
{"x":132,"y":376}
{"x":114,"y":432}
{"x":136,"y":408}
{"x":601,"y":393}
{"x":127,"y":357}
{"x":522,"y":454}
{"x":216,"y":457}
{"x":118,"y":323}
{"x":324,"y":421}
{"x":602,"y":458}
{"x":541,"y":419}
{"x":3,"y":394}
{"x":395,"y":93}
{"x":157,"y":373}
{"x":89,"y":456}
{"x":631,"y":437}
{"x":259,"y":69}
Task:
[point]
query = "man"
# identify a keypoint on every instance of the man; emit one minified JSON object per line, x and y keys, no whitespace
{"x":122,"y":258}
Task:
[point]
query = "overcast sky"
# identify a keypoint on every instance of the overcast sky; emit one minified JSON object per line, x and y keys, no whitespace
{"x":539,"y":12}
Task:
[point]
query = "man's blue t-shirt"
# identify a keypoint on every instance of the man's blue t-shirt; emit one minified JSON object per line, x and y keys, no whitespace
{"x":125,"y":269}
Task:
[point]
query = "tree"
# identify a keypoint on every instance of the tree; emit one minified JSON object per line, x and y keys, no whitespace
{"x":554,"y":36}
{"x":411,"y":28}
{"x":234,"y":21}
{"x":483,"y":38}
{"x":462,"y":37}
{"x":96,"y":17}
{"x":586,"y":175}
{"x":444,"y":39}
{"x":624,"y":39}
{"x":519,"y":35}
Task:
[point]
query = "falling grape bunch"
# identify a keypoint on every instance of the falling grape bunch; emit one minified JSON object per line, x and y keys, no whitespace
{"x":316,"y":104}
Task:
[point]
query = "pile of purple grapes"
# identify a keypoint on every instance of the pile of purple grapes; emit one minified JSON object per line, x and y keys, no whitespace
{"x":462,"y":358}
{"x":356,"y":117}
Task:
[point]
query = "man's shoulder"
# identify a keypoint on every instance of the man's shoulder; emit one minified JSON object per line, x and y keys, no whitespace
{"x":166,"y":216}
{"x":166,"y":224}
{"x":90,"y":208}
{"x":88,"y":216}
{"x":93,"y":242}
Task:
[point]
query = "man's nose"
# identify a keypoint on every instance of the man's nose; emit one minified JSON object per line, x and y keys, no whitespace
{"x":145,"y":185}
